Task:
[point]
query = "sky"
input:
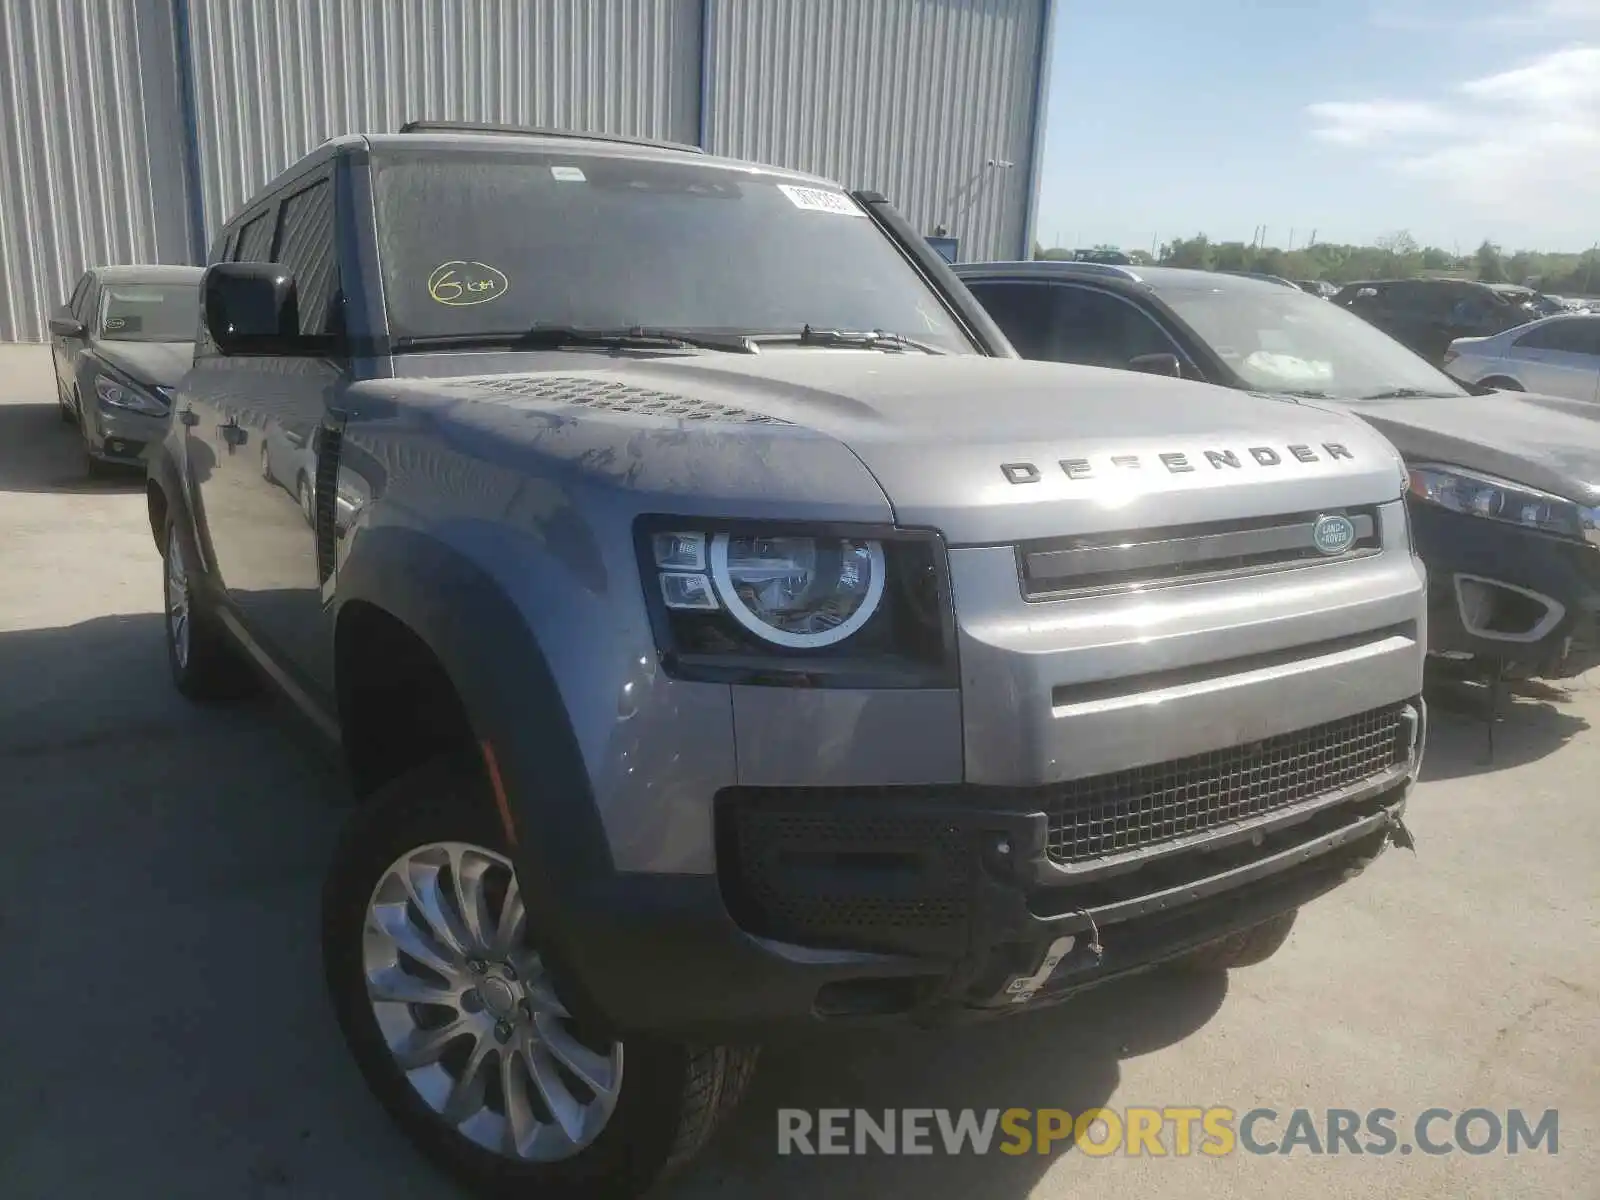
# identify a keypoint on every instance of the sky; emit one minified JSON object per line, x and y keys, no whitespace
{"x":1455,"y":121}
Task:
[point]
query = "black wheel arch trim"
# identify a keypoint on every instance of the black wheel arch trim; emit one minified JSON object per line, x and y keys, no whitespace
{"x":493,"y":659}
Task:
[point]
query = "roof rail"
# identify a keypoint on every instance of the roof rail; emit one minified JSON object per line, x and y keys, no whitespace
{"x":540,"y":131}
{"x":1094,"y":268}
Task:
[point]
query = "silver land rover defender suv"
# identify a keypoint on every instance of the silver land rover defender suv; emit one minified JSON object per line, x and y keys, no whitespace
{"x":724,"y":630}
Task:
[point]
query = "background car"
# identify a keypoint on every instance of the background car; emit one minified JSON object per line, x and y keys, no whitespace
{"x":1428,"y":314}
{"x":1505,"y":487}
{"x":1559,"y":356}
{"x":122,"y":342}
{"x":1318,"y":287}
{"x":1536,"y":303}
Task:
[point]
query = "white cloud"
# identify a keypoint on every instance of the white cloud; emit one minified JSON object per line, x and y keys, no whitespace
{"x":1522,"y":144}
{"x":1367,"y":122}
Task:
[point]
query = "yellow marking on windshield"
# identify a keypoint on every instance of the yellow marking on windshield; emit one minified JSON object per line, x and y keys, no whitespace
{"x":461,"y":282}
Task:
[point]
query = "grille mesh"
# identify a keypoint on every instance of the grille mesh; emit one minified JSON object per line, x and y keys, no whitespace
{"x":796,"y":869}
{"x":1127,"y":810}
{"x":609,"y":395}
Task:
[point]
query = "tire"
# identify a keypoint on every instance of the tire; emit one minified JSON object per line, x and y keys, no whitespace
{"x":302,"y":493}
{"x":266,"y":464}
{"x":1244,"y":948}
{"x":205,"y":665}
{"x":1502,"y":383}
{"x":647,"y":1111}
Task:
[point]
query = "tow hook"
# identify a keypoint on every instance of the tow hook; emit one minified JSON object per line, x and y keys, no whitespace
{"x":1023,"y":988}
{"x":1400,"y":835}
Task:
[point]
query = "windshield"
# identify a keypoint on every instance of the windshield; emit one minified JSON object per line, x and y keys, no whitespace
{"x":150,"y":312}
{"x":496,"y":242}
{"x":1286,"y":341}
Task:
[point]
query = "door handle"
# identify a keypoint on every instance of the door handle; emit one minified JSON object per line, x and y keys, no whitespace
{"x":188,"y":417}
{"x":233,"y":434}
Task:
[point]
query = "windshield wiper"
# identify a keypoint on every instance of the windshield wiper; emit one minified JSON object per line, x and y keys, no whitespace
{"x":558,"y":337}
{"x":867,"y":339}
{"x":1405,"y":393}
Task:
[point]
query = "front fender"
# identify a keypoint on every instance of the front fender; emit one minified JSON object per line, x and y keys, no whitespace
{"x":520,"y":696}
{"x":478,"y":634}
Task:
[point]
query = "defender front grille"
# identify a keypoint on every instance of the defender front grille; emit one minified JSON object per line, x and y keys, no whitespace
{"x":1127,"y":810}
{"x":1184,"y":553}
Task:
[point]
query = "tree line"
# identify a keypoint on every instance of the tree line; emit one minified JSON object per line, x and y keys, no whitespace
{"x":1396,"y":256}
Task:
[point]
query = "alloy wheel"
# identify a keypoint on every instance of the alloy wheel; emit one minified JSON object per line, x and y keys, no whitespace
{"x":470,"y":1014}
{"x":177,"y":599}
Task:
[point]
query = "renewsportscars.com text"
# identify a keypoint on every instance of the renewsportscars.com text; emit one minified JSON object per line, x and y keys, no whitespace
{"x":1168,"y":1131}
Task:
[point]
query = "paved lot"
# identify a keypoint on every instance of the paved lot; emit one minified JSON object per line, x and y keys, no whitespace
{"x":164,"y":1033}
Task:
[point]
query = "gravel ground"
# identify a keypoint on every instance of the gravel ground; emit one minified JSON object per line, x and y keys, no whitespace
{"x":165,"y":1034}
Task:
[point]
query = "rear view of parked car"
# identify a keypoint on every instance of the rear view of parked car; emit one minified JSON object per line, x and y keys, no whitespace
{"x":1428,"y":314}
{"x":121,"y":344}
{"x":1559,"y":356}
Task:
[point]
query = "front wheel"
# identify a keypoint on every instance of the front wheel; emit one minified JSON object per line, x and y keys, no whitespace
{"x":205,"y":666}
{"x":457,"y":1023}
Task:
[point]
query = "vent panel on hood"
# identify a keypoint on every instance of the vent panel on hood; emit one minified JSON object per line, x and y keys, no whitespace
{"x":609,"y":395}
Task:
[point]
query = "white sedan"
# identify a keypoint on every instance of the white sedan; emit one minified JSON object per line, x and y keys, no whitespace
{"x":1557,"y":356}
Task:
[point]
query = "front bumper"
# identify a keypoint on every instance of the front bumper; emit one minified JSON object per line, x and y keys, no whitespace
{"x":938,"y":905}
{"x":1503,"y":593}
{"x":121,"y":437}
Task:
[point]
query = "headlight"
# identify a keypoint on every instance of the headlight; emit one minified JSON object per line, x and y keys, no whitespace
{"x":845,"y":606}
{"x":125,"y":396}
{"x":1478,"y":495}
{"x":801,"y":592}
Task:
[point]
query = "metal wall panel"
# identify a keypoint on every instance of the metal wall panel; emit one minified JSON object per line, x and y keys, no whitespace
{"x":930,"y":102}
{"x":274,"y":78}
{"x":91,"y":157}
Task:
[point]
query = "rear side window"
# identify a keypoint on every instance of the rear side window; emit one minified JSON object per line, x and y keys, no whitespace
{"x":255,"y":239}
{"x":1022,"y":310}
{"x":305,"y":246}
{"x":1574,"y":337}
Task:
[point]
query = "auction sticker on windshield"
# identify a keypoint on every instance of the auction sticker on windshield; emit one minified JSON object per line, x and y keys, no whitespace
{"x":460,"y":282}
{"x":821,"y":200}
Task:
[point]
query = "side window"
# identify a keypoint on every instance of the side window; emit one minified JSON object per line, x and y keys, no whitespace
{"x":1022,"y":310}
{"x":1573,"y":337}
{"x":1474,"y":305}
{"x":1103,"y":330}
{"x":305,"y":246}
{"x":1415,"y":300}
{"x":255,"y":238}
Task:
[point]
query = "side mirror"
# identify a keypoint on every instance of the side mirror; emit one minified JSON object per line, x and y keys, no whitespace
{"x":66,"y":326}
{"x":251,"y":308}
{"x":1157,"y":364}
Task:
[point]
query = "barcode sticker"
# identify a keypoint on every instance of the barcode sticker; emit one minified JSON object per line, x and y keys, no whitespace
{"x":821,"y":200}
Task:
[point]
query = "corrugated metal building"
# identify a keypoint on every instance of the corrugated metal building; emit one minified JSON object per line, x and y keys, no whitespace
{"x":135,"y":127}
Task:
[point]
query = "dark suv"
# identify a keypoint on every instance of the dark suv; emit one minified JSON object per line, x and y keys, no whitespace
{"x":1505,"y":486}
{"x":1428,"y":314}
